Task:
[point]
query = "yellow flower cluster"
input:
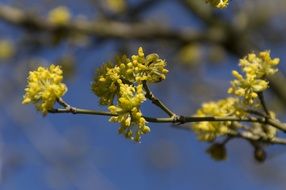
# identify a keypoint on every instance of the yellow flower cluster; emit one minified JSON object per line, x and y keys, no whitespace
{"x":208,"y":131}
{"x":260,"y":65}
{"x":105,"y":84}
{"x":133,"y":124}
{"x":129,"y":71}
{"x":218,"y":3}
{"x":140,"y":68}
{"x":44,"y":87}
{"x":255,"y":69}
{"x":59,"y":15}
{"x":246,"y":87}
{"x":121,"y":83}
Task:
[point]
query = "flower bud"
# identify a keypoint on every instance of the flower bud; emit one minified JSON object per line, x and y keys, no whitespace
{"x":217,"y":151}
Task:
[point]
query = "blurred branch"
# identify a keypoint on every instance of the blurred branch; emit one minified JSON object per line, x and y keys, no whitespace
{"x":110,"y":29}
{"x":132,"y":13}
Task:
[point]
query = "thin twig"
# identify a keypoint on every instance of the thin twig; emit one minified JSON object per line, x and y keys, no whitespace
{"x":276,"y":140}
{"x":63,"y":103}
{"x":263,"y":103}
{"x":255,"y":112}
{"x":82,"y":111}
{"x":156,"y":101}
{"x":226,"y":140}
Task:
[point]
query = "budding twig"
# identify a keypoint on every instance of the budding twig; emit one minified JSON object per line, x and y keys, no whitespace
{"x":180,"y":119}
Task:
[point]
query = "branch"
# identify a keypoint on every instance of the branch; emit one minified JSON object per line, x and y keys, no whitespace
{"x":156,"y":101}
{"x":180,"y":119}
{"x":172,"y":119}
{"x":81,"y":111}
{"x":263,"y":103}
{"x":248,"y":136}
{"x":110,"y":29}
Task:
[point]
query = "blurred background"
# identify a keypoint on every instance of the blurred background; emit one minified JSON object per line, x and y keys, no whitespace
{"x":79,"y":152}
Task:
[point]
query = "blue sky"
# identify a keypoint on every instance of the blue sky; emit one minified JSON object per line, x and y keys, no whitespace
{"x":81,"y":152}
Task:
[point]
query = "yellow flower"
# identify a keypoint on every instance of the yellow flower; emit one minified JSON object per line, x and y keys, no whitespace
{"x":247,"y":87}
{"x":208,"y":131}
{"x":121,"y":83}
{"x":218,"y":3}
{"x":255,"y":68}
{"x":150,"y":68}
{"x":105,"y":84}
{"x":44,"y":88}
{"x":59,"y":15}
{"x":260,"y":65}
{"x":139,"y":68}
{"x":126,"y":70}
{"x":130,"y":96}
{"x":133,"y":124}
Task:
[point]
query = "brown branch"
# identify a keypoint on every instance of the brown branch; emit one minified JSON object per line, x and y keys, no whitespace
{"x":174,"y":118}
{"x":110,"y":29}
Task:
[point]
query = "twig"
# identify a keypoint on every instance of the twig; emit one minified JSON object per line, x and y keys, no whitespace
{"x":263,"y":103}
{"x":156,"y":101}
{"x":254,"y":112}
{"x":81,"y":111}
{"x":184,"y":119}
{"x":174,"y":119}
{"x":275,"y":140}
{"x":226,"y":140}
{"x":247,"y":136}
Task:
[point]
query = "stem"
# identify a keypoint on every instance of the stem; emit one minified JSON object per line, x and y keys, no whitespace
{"x":275,"y":140}
{"x":63,"y":103}
{"x":184,"y":119}
{"x":156,"y":101}
{"x":173,"y":117}
{"x":276,"y":124}
{"x":262,"y":101}
{"x":82,"y":111}
{"x":247,"y":136}
{"x":254,"y":112}
{"x":180,"y":119}
{"x":268,"y":119}
{"x":226,"y":140}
